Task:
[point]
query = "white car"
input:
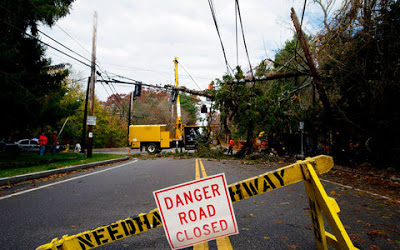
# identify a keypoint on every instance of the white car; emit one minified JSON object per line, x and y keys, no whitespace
{"x":31,"y":145}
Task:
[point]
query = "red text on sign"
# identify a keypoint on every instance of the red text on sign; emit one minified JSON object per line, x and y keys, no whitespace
{"x":192,"y":215}
{"x":206,"y":229}
{"x":206,"y":192}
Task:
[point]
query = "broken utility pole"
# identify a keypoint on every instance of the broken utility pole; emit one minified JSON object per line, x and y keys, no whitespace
{"x":310,"y":61}
{"x":270,"y":77}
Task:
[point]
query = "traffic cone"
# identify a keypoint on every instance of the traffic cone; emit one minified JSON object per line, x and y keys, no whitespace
{"x":129,"y":151}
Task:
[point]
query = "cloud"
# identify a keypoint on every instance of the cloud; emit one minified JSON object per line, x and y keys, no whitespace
{"x":140,"y":39}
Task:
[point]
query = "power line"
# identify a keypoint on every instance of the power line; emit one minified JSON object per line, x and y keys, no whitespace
{"x":112,"y":88}
{"x":62,"y":45}
{"x":301,"y":24}
{"x":236,"y":33}
{"x":73,"y":39}
{"x":282,"y":65}
{"x":210,"y":3}
{"x":244,"y":40}
{"x":102,"y":84}
{"x":97,"y":61}
{"x":43,"y":12}
{"x":24,"y":32}
{"x":48,"y":45}
{"x":118,"y":99}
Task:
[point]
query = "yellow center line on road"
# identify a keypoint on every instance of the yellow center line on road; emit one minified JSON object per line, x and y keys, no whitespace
{"x":197,"y":170}
{"x":222,"y":243}
{"x":203,"y":171}
{"x":204,"y":245}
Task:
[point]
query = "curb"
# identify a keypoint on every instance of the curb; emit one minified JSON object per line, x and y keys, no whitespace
{"x":37,"y":175}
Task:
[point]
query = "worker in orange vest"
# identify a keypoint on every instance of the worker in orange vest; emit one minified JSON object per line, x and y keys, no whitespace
{"x":54,"y":142}
{"x":42,"y":143}
{"x":231,"y":144}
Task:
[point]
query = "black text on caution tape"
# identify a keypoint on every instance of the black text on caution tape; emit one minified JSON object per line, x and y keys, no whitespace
{"x":118,"y":230}
{"x":258,"y":185}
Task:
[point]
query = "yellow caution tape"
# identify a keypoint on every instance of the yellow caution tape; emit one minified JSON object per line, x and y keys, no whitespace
{"x":276,"y":179}
{"x":143,"y":222}
{"x":107,"y":234}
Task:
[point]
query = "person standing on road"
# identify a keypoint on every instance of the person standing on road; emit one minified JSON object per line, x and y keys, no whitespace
{"x":231,"y":144}
{"x":42,"y":143}
{"x":55,"y":141}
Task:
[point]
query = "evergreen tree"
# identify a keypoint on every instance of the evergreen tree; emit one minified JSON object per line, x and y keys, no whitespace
{"x":30,"y":87}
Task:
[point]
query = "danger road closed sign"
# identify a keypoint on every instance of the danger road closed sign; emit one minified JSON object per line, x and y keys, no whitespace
{"x":196,"y":211}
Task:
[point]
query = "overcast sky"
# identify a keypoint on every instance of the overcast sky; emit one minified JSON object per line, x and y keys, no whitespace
{"x":140,"y":39}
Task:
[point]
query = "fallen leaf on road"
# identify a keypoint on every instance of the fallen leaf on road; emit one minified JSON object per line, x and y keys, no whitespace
{"x":285,"y":203}
{"x":334,"y":193}
{"x":354,"y":237}
{"x":278,"y":222}
{"x":74,"y":226}
{"x":377,"y":233}
{"x":267,"y":238}
{"x":292,"y":246}
{"x":373,"y":247}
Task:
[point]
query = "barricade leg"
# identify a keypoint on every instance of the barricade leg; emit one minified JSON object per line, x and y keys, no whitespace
{"x":317,"y":220}
{"x":320,"y":203}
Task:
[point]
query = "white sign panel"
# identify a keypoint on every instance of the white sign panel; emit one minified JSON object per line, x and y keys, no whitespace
{"x":91,"y":120}
{"x":196,"y":211}
{"x":301,"y":125}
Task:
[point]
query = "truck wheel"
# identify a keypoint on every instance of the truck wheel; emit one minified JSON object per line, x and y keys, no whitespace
{"x":151,"y":148}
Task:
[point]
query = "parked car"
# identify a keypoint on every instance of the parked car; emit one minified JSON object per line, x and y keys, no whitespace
{"x":8,"y":147}
{"x":30,"y":145}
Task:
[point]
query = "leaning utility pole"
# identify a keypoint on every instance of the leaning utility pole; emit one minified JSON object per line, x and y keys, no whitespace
{"x":310,"y":61}
{"x":91,"y":87}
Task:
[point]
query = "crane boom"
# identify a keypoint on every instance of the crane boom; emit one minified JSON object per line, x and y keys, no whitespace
{"x":178,"y":124}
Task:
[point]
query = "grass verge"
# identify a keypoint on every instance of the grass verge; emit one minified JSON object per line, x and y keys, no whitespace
{"x":24,"y":163}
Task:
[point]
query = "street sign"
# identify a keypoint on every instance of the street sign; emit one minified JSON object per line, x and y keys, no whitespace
{"x":91,"y":120}
{"x":301,"y":125}
{"x":196,"y":211}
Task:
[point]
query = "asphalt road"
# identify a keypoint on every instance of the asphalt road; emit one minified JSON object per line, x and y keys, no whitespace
{"x":39,"y":212}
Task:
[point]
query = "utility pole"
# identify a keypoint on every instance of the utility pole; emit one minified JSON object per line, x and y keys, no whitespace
{"x":91,"y":86}
{"x":310,"y":61}
{"x":301,"y":126}
{"x":132,"y":97}
{"x":83,"y":140}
